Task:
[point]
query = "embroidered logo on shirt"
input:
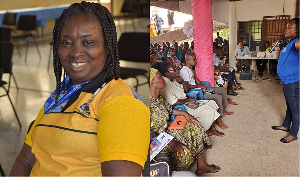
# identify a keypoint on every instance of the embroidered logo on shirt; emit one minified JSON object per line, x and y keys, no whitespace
{"x":283,"y":50}
{"x":84,"y":108}
{"x":192,"y":78}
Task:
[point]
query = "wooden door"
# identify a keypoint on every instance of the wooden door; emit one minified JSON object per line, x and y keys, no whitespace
{"x":274,"y":27}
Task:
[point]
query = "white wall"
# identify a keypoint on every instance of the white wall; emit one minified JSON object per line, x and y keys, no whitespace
{"x":186,"y":6}
{"x":220,"y":10}
{"x":247,"y":10}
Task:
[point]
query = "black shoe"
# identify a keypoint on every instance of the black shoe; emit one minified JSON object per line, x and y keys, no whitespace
{"x":286,"y":141}
{"x":276,"y":128}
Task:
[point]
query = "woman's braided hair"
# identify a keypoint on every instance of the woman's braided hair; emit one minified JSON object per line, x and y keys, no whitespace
{"x":112,"y":66}
{"x":297,"y":26}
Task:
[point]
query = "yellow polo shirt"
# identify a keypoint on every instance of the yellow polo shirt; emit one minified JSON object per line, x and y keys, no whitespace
{"x":111,"y":125}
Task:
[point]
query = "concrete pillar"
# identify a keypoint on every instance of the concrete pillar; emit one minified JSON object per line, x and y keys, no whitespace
{"x":203,"y":39}
{"x":232,"y":33}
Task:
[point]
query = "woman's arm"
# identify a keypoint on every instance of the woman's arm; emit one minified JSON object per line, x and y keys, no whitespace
{"x":183,"y":101}
{"x":24,"y":162}
{"x":121,"y":168}
{"x":178,"y":148}
{"x":297,"y":45}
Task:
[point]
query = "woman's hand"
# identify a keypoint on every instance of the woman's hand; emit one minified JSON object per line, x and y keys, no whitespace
{"x":179,"y":79}
{"x":185,"y":114}
{"x":203,"y":87}
{"x":191,"y":99}
{"x":178,"y":148}
{"x":191,"y":119}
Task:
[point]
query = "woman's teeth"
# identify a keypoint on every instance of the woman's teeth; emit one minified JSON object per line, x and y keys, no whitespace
{"x":77,"y":64}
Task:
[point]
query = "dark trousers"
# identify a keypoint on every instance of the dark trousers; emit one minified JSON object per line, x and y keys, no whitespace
{"x":159,"y":32}
{"x":230,"y":75}
{"x":261,"y":65}
{"x":291,"y":93}
{"x":245,"y":66}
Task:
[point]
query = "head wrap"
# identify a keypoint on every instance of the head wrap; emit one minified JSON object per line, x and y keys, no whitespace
{"x":153,"y":72}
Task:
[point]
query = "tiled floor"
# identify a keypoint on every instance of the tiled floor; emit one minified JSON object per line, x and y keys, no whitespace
{"x":35,"y":84}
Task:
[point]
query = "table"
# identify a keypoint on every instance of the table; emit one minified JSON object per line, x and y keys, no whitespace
{"x":255,"y":58}
{"x":42,"y":13}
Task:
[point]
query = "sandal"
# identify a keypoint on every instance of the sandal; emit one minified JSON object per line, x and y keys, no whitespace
{"x":228,"y":113}
{"x":282,"y":129}
{"x":206,"y":146}
{"x":240,"y":88}
{"x":232,"y":93}
{"x":216,"y":133}
{"x":215,"y":169}
{"x":222,"y":126}
{"x":232,"y":103}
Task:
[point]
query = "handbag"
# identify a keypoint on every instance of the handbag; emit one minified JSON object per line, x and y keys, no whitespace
{"x":159,"y":169}
{"x":159,"y":165}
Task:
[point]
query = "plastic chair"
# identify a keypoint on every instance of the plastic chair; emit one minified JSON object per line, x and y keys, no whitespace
{"x":9,"y":18}
{"x":178,"y":106}
{"x":200,"y":91}
{"x":5,"y":34}
{"x":27,"y":24}
{"x":133,"y":48}
{"x":6,"y":52}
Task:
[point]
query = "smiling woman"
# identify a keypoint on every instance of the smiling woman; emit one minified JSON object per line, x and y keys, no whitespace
{"x":93,"y":123}
{"x":82,"y":48}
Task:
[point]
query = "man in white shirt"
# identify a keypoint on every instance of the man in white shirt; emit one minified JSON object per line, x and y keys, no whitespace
{"x":190,"y":81}
{"x":242,"y":51}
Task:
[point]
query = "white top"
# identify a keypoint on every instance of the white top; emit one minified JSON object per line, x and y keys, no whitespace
{"x":241,"y":52}
{"x":216,"y":60}
{"x":173,"y":91}
{"x":187,"y":75}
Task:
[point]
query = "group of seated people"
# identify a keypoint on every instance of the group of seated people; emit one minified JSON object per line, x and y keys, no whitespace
{"x":170,"y":82}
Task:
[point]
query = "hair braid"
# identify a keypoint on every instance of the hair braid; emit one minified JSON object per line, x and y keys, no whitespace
{"x":112,"y":65}
{"x":297,"y":25}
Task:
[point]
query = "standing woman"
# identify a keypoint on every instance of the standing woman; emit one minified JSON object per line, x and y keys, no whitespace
{"x":152,"y":28}
{"x":92,"y":124}
{"x":288,"y":72}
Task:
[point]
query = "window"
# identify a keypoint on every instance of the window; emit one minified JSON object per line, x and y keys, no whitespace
{"x":249,"y":31}
{"x":256,"y":30}
{"x":243,"y":32}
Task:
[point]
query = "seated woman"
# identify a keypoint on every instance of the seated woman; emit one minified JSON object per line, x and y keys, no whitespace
{"x":173,"y":93}
{"x":181,"y":155}
{"x":220,"y":80}
{"x":77,"y":131}
{"x":173,"y":59}
{"x":226,"y":72}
